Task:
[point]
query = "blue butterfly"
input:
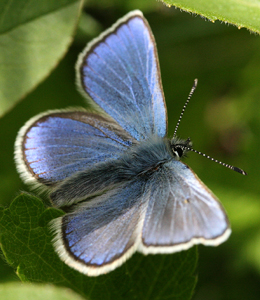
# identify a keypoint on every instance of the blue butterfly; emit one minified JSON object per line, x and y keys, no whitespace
{"x":122,"y":179}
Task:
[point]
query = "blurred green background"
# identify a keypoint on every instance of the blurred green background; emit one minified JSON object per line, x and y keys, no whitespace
{"x":222,"y":119}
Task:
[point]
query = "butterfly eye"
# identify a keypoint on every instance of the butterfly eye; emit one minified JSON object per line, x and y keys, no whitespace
{"x":177,"y":151}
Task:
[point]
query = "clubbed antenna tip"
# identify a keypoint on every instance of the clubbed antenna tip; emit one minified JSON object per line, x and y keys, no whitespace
{"x":239,"y":171}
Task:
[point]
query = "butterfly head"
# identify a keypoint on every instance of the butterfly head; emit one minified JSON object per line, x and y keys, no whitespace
{"x":180,"y":147}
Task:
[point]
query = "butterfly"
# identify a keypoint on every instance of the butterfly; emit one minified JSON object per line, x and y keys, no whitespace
{"x":112,"y":169}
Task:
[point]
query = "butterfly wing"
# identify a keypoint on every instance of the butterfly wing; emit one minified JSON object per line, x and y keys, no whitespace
{"x":53,"y":146}
{"x":181,"y":212}
{"x":99,"y":235}
{"x":119,"y":70}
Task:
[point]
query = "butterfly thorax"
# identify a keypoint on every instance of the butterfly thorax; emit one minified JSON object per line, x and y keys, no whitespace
{"x":149,"y":155}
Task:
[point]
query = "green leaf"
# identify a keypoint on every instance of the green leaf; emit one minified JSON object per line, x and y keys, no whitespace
{"x":34,"y":36}
{"x":239,"y":13}
{"x":26,"y":244}
{"x":18,"y":291}
{"x":15,"y":13}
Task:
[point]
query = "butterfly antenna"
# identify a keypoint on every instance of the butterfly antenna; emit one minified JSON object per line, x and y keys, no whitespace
{"x":188,"y":140}
{"x":185,"y":105}
{"x":217,"y":161}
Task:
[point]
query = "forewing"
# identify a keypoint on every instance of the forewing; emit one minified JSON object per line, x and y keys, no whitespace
{"x":53,"y":146}
{"x":99,"y":235}
{"x":120,"y":71}
{"x":181,"y":212}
